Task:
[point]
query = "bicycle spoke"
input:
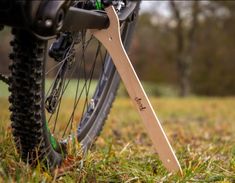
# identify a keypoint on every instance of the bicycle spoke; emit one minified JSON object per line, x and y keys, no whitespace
{"x":57,"y":114}
{"x":64,"y":83}
{"x":58,"y":64}
{"x":70,"y":122}
{"x":85,"y":87}
{"x":73,"y":72}
{"x":91,"y":75}
{"x":57,"y":74}
{"x":65,"y":86}
{"x":74,"y":105}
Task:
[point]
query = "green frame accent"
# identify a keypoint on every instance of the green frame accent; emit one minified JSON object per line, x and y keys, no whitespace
{"x":52,"y":139}
{"x":99,"y":5}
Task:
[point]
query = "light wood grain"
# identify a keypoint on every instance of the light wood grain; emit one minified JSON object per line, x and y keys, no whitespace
{"x":111,"y":39}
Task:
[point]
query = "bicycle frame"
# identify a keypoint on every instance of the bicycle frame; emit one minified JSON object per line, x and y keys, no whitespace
{"x":46,"y":18}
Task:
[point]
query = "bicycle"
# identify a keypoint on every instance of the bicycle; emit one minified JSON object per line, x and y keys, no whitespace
{"x":33,"y":109}
{"x":36,"y":108}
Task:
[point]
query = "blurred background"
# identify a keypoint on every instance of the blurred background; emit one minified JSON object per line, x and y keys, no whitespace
{"x":180,"y":48}
{"x":187,"y":46}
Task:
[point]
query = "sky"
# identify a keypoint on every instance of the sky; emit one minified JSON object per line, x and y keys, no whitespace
{"x":146,"y":5}
{"x":150,"y":5}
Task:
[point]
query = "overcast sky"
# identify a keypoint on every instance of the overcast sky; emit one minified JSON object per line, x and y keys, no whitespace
{"x":160,"y":6}
{"x":146,"y":5}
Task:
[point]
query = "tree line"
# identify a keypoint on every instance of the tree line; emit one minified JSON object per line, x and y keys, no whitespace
{"x":192,"y":48}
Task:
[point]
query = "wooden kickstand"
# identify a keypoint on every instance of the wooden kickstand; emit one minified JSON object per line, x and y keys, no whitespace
{"x":111,"y":39}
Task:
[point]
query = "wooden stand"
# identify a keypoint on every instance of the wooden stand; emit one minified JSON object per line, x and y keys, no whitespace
{"x":111,"y":39}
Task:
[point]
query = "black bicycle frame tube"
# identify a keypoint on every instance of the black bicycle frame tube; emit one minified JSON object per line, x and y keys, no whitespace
{"x":77,"y":19}
{"x":46,"y":18}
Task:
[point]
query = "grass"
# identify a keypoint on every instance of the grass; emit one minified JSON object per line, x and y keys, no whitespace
{"x":151,"y":88}
{"x":201,"y":130}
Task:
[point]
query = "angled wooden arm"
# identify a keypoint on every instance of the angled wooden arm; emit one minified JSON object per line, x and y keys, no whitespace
{"x":111,"y":39}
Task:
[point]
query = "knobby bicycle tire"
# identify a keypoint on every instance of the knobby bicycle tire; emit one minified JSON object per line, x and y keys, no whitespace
{"x":33,"y":139}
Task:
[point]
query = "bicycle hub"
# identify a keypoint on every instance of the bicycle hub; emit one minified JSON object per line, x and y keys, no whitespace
{"x":45,"y":18}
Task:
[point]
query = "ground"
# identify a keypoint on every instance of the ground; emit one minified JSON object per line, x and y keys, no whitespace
{"x":201,"y":131}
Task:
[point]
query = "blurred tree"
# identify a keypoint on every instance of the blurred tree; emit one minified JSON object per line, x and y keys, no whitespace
{"x":191,"y":46}
{"x":153,"y":51}
{"x":185,"y":37}
{"x":213,"y":73}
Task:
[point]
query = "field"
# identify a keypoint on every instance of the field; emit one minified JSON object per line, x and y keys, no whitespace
{"x":201,"y":130}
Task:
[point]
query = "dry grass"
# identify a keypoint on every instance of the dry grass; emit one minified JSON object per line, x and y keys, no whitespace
{"x":201,"y":130}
